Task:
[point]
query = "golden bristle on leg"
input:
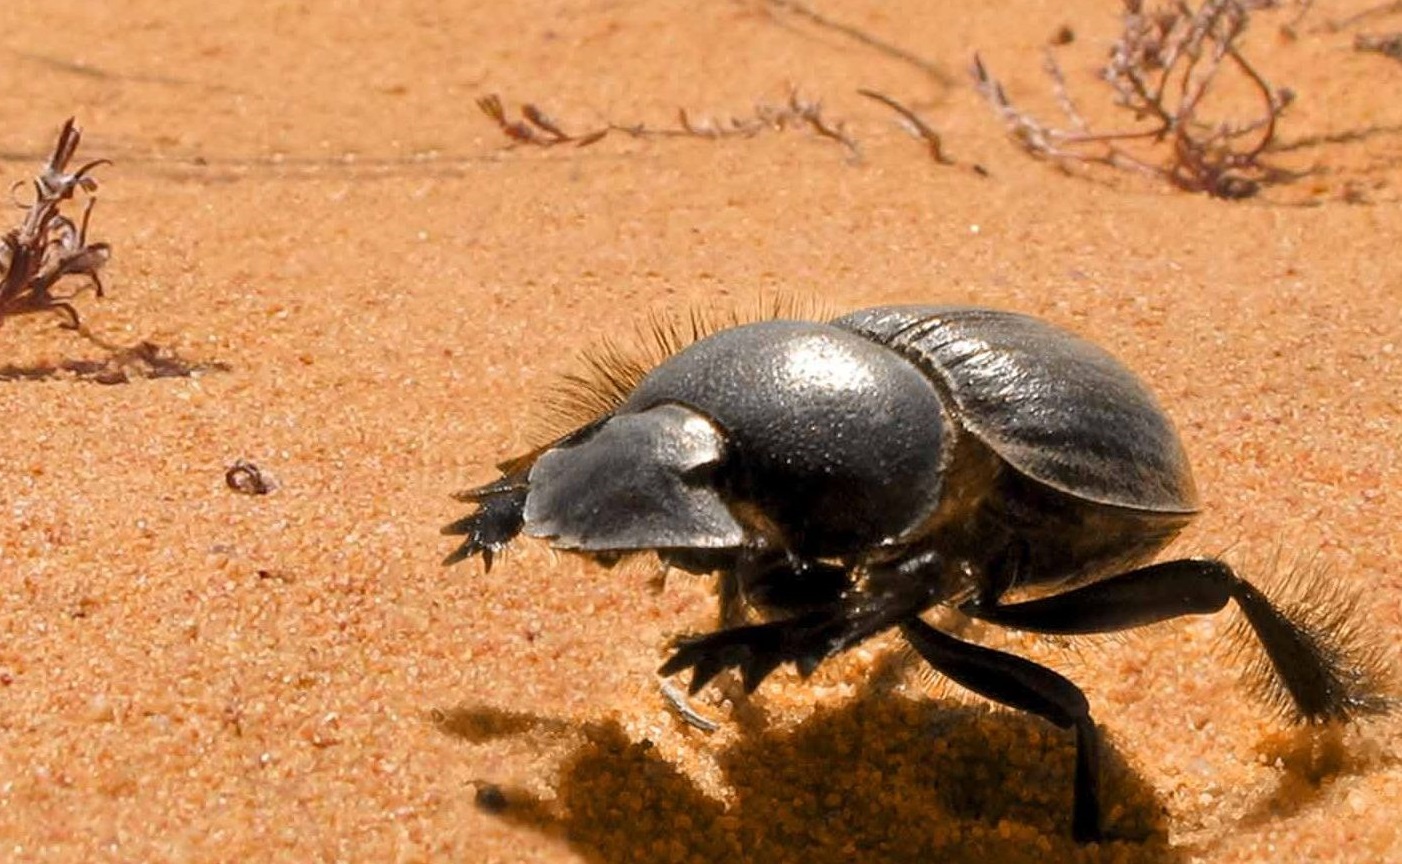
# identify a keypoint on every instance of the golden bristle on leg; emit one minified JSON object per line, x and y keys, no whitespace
{"x":1336,"y":671}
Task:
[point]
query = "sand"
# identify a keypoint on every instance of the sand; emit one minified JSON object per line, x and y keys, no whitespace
{"x":341,"y":272}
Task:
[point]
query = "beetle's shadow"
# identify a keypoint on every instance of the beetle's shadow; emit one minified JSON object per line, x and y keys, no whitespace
{"x":877,"y":779}
{"x":1311,"y":759}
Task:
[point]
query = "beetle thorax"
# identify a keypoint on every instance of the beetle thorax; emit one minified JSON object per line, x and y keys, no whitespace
{"x":832,"y":440}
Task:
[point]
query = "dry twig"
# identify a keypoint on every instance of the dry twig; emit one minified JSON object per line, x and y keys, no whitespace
{"x":536,"y":128}
{"x":803,"y":10}
{"x":919,"y":128}
{"x":47,"y":246}
{"x":1161,"y":69}
{"x":1388,"y":45}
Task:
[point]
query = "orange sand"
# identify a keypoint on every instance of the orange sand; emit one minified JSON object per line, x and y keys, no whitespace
{"x":352,"y":283}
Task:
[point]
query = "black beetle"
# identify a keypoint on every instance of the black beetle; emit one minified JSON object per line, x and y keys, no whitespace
{"x":845,"y":477}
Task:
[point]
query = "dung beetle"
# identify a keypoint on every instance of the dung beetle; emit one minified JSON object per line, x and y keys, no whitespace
{"x":844,"y":477}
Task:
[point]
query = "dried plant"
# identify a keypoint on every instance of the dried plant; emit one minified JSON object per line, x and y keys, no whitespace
{"x":1388,"y":45}
{"x":804,"y":11}
{"x":48,"y":246}
{"x":536,"y":128}
{"x":1161,"y":69}
{"x":917,"y":127}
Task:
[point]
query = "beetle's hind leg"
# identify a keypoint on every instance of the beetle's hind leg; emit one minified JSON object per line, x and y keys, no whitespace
{"x":496,"y":522}
{"x":1019,"y":683}
{"x":1321,"y":677}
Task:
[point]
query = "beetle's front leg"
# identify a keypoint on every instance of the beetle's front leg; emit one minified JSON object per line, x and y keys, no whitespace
{"x":885,"y":597}
{"x":501,"y":504}
{"x":497,"y":521}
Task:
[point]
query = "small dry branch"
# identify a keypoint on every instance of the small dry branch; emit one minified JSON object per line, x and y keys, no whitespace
{"x":49,"y":246}
{"x":919,"y":128}
{"x":538,"y":129}
{"x":1162,"y":68}
{"x":803,"y":10}
{"x":1388,"y":45}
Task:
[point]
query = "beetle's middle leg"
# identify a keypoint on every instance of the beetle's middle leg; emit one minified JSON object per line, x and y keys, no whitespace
{"x":1020,"y":683}
{"x":1321,"y":680}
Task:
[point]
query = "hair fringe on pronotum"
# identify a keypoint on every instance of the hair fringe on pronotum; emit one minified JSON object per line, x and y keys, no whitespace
{"x":611,"y":369}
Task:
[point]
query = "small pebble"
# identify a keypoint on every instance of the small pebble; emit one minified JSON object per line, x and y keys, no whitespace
{"x":490,"y":798}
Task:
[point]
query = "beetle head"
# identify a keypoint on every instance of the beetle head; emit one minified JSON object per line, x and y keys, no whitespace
{"x":641,"y":481}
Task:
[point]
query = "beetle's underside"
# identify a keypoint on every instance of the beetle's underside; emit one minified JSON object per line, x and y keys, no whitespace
{"x":672,"y":469}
